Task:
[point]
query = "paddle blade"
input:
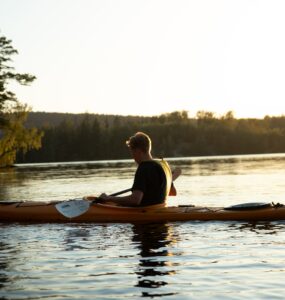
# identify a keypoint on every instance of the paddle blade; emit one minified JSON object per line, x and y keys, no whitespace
{"x":73,"y":208}
{"x":176,"y":173}
{"x":172,"y":191}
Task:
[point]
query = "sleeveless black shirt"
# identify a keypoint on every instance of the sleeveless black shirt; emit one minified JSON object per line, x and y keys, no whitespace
{"x":153,"y":178}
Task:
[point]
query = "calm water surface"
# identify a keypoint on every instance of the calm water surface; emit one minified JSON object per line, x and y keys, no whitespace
{"x":191,"y":260}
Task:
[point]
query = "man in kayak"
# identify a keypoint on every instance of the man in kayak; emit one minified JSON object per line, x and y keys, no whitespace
{"x":153,"y":178}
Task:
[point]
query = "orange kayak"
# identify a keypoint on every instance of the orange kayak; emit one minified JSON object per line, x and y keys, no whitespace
{"x":102,"y":213}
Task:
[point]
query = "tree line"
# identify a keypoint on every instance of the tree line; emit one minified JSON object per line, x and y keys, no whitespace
{"x":173,"y":134}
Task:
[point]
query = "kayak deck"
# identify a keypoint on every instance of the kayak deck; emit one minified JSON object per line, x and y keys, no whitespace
{"x":102,"y":213}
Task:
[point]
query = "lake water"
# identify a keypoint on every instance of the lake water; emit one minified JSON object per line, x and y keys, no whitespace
{"x":190,"y":260}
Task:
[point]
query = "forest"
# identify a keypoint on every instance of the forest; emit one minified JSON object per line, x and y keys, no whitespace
{"x":71,"y":137}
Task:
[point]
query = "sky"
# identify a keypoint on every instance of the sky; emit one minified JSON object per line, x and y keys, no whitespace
{"x":148,"y":57}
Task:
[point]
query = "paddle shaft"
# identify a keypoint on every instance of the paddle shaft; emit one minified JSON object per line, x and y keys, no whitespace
{"x":115,"y":194}
{"x":121,"y":192}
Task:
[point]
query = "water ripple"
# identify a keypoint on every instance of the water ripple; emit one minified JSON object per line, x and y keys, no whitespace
{"x":191,"y":260}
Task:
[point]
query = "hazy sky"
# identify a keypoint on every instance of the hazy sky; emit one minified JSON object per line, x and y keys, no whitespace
{"x":146,"y":57}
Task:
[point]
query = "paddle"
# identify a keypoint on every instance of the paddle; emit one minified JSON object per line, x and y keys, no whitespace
{"x":176,"y":173}
{"x":76,"y":207}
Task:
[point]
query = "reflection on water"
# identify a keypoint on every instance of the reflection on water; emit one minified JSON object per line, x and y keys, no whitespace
{"x":263,"y":227}
{"x":153,"y":240}
{"x":47,"y":182}
{"x":32,"y":264}
{"x":192,"y":260}
{"x":235,"y":165}
{"x":75,"y":238}
{"x":4,"y":279}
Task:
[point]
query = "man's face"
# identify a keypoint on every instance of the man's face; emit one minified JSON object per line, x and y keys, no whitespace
{"x":136,"y":154}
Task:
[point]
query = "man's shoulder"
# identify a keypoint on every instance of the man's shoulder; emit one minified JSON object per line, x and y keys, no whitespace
{"x":147,"y":164}
{"x":152,"y":165}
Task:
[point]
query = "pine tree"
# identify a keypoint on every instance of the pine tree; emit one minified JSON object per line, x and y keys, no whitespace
{"x":14,"y":137}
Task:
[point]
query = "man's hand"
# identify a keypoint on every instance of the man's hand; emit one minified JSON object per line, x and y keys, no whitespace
{"x":103,"y":197}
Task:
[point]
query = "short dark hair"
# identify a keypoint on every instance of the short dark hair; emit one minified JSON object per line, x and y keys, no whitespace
{"x":140,"y":141}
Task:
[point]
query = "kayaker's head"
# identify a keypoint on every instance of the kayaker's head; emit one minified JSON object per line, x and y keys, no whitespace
{"x":140,"y":146}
